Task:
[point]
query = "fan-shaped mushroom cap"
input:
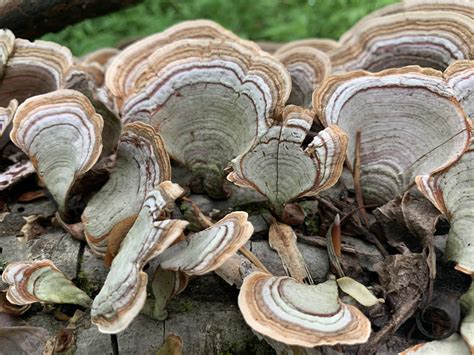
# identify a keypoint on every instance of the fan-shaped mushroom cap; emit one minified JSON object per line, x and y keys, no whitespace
{"x":410,"y":124}
{"x":308,"y":67}
{"x":15,"y":173}
{"x":430,"y":39}
{"x":463,"y":7}
{"x":6,"y":115}
{"x":279,"y":168}
{"x":452,"y":192}
{"x":322,"y":44}
{"x":460,"y":76}
{"x":80,"y":80}
{"x":210,"y":98}
{"x":61,"y":133}
{"x":297,"y":314}
{"x":124,"y":290}
{"x":7,"y":43}
{"x":129,"y":67}
{"x":41,"y":281}
{"x":453,"y":345}
{"x":207,"y":250}
{"x":142,"y":164}
{"x":100,"y":56}
{"x":34,"y":68}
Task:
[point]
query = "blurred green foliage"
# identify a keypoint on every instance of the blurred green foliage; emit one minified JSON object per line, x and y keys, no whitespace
{"x":264,"y":20}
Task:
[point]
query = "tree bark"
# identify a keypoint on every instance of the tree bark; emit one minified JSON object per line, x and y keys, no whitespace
{"x":32,"y":18}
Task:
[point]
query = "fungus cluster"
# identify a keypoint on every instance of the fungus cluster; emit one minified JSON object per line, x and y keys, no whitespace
{"x":390,"y":103}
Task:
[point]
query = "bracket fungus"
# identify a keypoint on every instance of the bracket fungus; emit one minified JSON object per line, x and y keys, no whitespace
{"x":207,"y":250}
{"x":322,"y":44}
{"x":278,"y":167}
{"x":7,"y":43}
{"x":34,"y":68}
{"x":6,"y":116}
{"x":308,"y":67}
{"x":100,"y":56}
{"x":129,"y":67}
{"x":41,"y":281}
{"x":142,"y":164}
{"x":460,"y":76}
{"x":463,"y":7}
{"x":453,"y":345}
{"x":427,"y":38}
{"x":212,"y":99}
{"x":452,"y":191}
{"x":124,"y":291}
{"x":61,"y":133}
{"x":298,"y":314}
{"x":15,"y":173}
{"x":410,"y":123}
{"x":79,"y":80}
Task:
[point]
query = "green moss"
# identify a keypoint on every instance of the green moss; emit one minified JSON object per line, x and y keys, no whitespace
{"x":85,"y":284}
{"x":249,"y":345}
{"x":182,"y":306}
{"x":268,"y":20}
{"x":312,"y":225}
{"x":3,"y":265}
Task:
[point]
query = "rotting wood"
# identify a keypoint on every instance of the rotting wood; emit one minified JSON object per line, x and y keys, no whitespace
{"x":32,"y":19}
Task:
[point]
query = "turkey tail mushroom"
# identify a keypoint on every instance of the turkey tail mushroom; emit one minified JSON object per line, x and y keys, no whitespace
{"x":298,"y":314}
{"x":33,"y":68}
{"x":451,"y":189}
{"x":61,"y":133}
{"x":7,"y":44}
{"x":410,"y":122}
{"x":209,"y":98}
{"x":124,"y":291}
{"x":308,"y":67}
{"x":321,"y":44}
{"x":431,"y":39}
{"x":130,"y":66}
{"x":142,"y":164}
{"x":207,"y":250}
{"x":280,"y":169}
{"x":41,"y":281}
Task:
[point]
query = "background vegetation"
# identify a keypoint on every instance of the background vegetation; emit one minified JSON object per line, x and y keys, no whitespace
{"x":263,"y":20}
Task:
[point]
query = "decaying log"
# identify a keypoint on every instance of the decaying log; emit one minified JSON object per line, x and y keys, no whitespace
{"x":32,"y":18}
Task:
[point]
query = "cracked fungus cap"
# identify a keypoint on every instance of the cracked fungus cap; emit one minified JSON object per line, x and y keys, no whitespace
{"x":410,"y":122}
{"x":280,"y":169}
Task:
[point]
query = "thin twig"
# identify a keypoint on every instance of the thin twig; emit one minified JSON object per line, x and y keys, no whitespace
{"x":362,"y":230}
{"x":373,"y":238}
{"x":349,"y":214}
{"x":328,"y":204}
{"x":356,"y":176}
{"x":206,"y":222}
{"x":320,"y":242}
{"x":253,"y":258}
{"x":336,"y":236}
